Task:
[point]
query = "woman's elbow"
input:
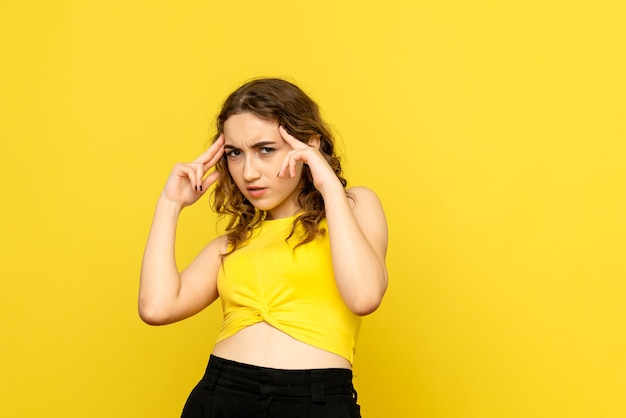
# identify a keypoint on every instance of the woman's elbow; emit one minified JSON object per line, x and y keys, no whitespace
{"x":150,"y":315}
{"x":363,"y":309}
{"x":368,"y":303}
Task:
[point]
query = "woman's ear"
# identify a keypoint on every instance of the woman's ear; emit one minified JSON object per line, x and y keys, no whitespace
{"x":314,"y":141}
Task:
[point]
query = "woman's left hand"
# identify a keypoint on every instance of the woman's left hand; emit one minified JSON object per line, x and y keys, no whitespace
{"x":309,"y":154}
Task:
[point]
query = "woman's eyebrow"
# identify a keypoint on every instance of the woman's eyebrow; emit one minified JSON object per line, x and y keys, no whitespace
{"x":260,"y":144}
{"x":263,"y":144}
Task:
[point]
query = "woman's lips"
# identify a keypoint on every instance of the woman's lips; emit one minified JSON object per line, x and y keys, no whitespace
{"x":256,"y":191}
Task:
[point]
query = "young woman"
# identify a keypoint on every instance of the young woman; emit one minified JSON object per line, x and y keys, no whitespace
{"x":301,"y":260}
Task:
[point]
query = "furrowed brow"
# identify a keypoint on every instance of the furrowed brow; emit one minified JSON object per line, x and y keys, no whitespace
{"x":263,"y":144}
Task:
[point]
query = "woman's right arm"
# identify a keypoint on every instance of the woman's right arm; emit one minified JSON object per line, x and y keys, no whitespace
{"x":165,"y":294}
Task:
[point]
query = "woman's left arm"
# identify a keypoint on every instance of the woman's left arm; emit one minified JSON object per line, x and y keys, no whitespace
{"x":356,"y":225}
{"x":358,"y":240}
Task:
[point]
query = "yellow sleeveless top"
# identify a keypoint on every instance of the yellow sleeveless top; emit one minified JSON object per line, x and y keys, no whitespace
{"x":293,"y":291}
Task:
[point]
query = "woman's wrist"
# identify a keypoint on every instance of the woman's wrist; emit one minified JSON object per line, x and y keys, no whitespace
{"x":169,"y":205}
{"x":332,"y":189}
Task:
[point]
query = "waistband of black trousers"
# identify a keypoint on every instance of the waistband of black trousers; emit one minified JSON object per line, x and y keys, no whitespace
{"x":317,"y":383}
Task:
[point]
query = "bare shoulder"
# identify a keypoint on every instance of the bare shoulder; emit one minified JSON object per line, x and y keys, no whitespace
{"x":363,"y":198}
{"x":368,"y":212}
{"x":219,"y":244}
{"x":207,"y":262}
{"x":366,"y":207}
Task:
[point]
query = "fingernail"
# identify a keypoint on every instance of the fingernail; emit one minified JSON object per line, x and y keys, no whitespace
{"x":195,"y":187}
{"x":200,"y":187}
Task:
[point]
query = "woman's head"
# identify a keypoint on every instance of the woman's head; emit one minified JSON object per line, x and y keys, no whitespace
{"x":284,"y":103}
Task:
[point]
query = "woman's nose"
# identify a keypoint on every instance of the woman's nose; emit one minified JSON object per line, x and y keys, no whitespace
{"x":250,"y":169}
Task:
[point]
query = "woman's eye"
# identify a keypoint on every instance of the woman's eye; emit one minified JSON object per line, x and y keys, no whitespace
{"x":266,"y":150}
{"x":233,"y":153}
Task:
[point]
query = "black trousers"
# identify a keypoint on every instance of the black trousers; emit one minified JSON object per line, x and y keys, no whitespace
{"x":235,"y":390}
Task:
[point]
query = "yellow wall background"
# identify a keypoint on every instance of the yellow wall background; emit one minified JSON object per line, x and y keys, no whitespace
{"x":493,"y":131}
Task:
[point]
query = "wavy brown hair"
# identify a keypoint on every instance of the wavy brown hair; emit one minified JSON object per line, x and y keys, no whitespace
{"x":283,"y":102}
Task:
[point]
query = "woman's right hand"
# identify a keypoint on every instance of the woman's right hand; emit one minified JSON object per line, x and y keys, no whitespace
{"x":187,"y":181}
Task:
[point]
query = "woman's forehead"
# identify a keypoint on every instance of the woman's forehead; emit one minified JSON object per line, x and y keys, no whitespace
{"x":247,"y":129}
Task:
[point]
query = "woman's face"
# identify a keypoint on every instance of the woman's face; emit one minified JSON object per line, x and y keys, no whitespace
{"x":254,"y":153}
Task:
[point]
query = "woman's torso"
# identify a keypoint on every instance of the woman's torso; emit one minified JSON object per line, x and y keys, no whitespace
{"x":273,"y":292}
{"x":263,"y":345}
